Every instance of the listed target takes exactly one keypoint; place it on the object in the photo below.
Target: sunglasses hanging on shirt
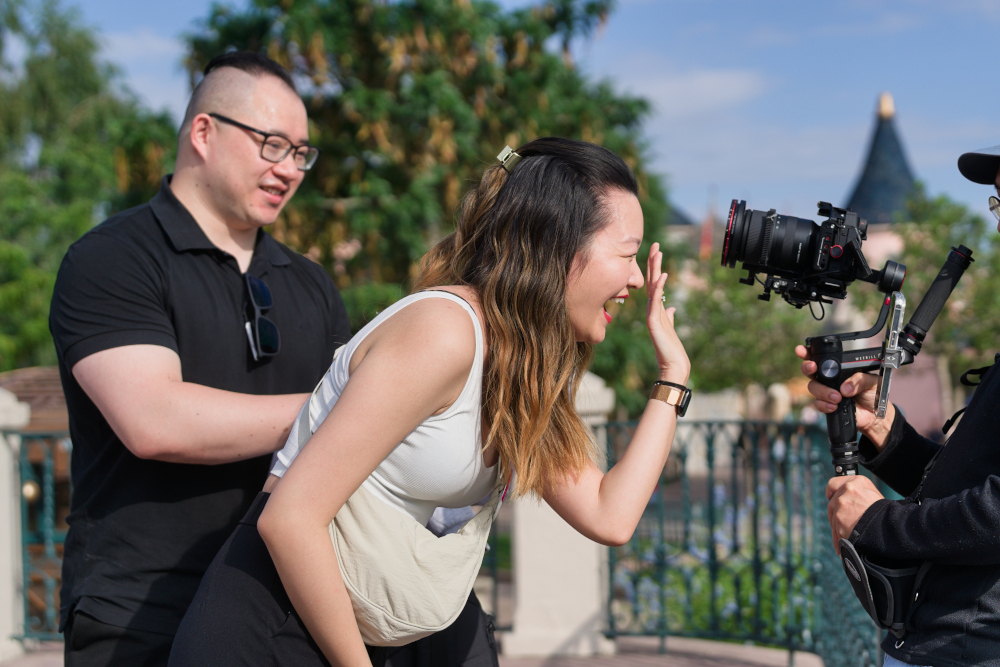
(261, 332)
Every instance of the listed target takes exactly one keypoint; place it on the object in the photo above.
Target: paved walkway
(681, 652)
(50, 655)
(633, 652)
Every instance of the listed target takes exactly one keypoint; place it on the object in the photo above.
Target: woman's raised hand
(670, 354)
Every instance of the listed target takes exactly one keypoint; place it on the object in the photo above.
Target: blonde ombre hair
(514, 244)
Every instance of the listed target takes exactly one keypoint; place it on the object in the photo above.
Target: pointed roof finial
(886, 106)
(886, 180)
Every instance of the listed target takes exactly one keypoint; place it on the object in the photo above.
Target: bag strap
(966, 379)
(305, 416)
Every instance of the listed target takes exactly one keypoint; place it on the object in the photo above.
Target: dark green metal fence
(735, 545)
(43, 465)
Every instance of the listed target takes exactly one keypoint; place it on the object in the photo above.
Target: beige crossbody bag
(405, 582)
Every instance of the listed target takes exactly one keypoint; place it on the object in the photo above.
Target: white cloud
(160, 91)
(769, 35)
(141, 45)
(882, 23)
(987, 8)
(691, 94)
(151, 67)
(934, 142)
(678, 94)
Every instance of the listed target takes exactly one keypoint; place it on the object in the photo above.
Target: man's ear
(202, 128)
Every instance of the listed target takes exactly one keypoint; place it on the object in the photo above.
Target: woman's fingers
(655, 305)
(654, 268)
(661, 282)
(660, 320)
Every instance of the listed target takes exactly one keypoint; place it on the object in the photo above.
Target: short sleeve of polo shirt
(108, 294)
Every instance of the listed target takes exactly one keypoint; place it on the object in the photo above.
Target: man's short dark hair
(251, 63)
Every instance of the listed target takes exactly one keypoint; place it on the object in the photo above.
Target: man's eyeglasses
(995, 205)
(276, 148)
(262, 332)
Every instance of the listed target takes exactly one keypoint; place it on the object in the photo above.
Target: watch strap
(673, 394)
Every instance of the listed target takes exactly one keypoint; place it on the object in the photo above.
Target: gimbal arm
(834, 366)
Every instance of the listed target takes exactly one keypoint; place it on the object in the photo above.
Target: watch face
(685, 400)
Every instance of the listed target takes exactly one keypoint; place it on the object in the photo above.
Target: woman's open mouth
(620, 300)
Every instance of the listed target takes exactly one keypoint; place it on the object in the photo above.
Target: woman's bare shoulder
(436, 328)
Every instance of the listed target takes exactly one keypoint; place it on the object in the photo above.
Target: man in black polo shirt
(188, 339)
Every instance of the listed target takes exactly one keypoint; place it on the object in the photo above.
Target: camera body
(804, 261)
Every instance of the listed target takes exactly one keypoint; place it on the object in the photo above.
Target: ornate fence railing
(43, 466)
(735, 545)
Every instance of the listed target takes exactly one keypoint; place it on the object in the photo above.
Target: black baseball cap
(981, 166)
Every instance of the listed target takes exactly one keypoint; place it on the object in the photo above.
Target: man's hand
(863, 387)
(849, 497)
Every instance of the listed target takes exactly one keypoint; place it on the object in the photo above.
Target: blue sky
(772, 102)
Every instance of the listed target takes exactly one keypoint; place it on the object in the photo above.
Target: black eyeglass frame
(995, 204)
(267, 135)
(254, 287)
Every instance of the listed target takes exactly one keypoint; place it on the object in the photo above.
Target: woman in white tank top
(474, 376)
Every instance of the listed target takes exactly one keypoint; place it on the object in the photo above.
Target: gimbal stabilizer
(901, 344)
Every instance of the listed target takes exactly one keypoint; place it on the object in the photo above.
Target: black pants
(91, 643)
(468, 642)
(241, 615)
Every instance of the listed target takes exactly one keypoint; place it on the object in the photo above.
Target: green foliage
(409, 102)
(965, 332)
(74, 146)
(363, 302)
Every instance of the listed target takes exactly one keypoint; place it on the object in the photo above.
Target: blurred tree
(965, 333)
(733, 338)
(75, 146)
(409, 102)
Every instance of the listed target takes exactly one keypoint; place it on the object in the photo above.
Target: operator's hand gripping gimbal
(902, 343)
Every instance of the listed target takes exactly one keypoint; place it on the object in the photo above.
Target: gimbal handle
(834, 366)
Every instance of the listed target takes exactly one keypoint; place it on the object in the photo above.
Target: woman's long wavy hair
(514, 244)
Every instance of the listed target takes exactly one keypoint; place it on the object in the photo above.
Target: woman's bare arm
(417, 365)
(607, 507)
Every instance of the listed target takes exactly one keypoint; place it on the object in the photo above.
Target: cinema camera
(807, 262)
(804, 261)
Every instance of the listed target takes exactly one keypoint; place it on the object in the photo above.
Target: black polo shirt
(143, 532)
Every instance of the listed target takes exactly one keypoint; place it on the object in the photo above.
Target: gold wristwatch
(673, 394)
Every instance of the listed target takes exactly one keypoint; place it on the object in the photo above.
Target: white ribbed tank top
(439, 464)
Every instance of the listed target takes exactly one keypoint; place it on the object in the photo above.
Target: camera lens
(735, 231)
(766, 240)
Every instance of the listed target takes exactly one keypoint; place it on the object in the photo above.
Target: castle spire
(886, 180)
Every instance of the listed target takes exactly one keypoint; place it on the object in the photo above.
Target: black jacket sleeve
(902, 461)
(963, 529)
(958, 529)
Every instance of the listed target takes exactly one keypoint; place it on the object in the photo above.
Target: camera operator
(951, 515)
